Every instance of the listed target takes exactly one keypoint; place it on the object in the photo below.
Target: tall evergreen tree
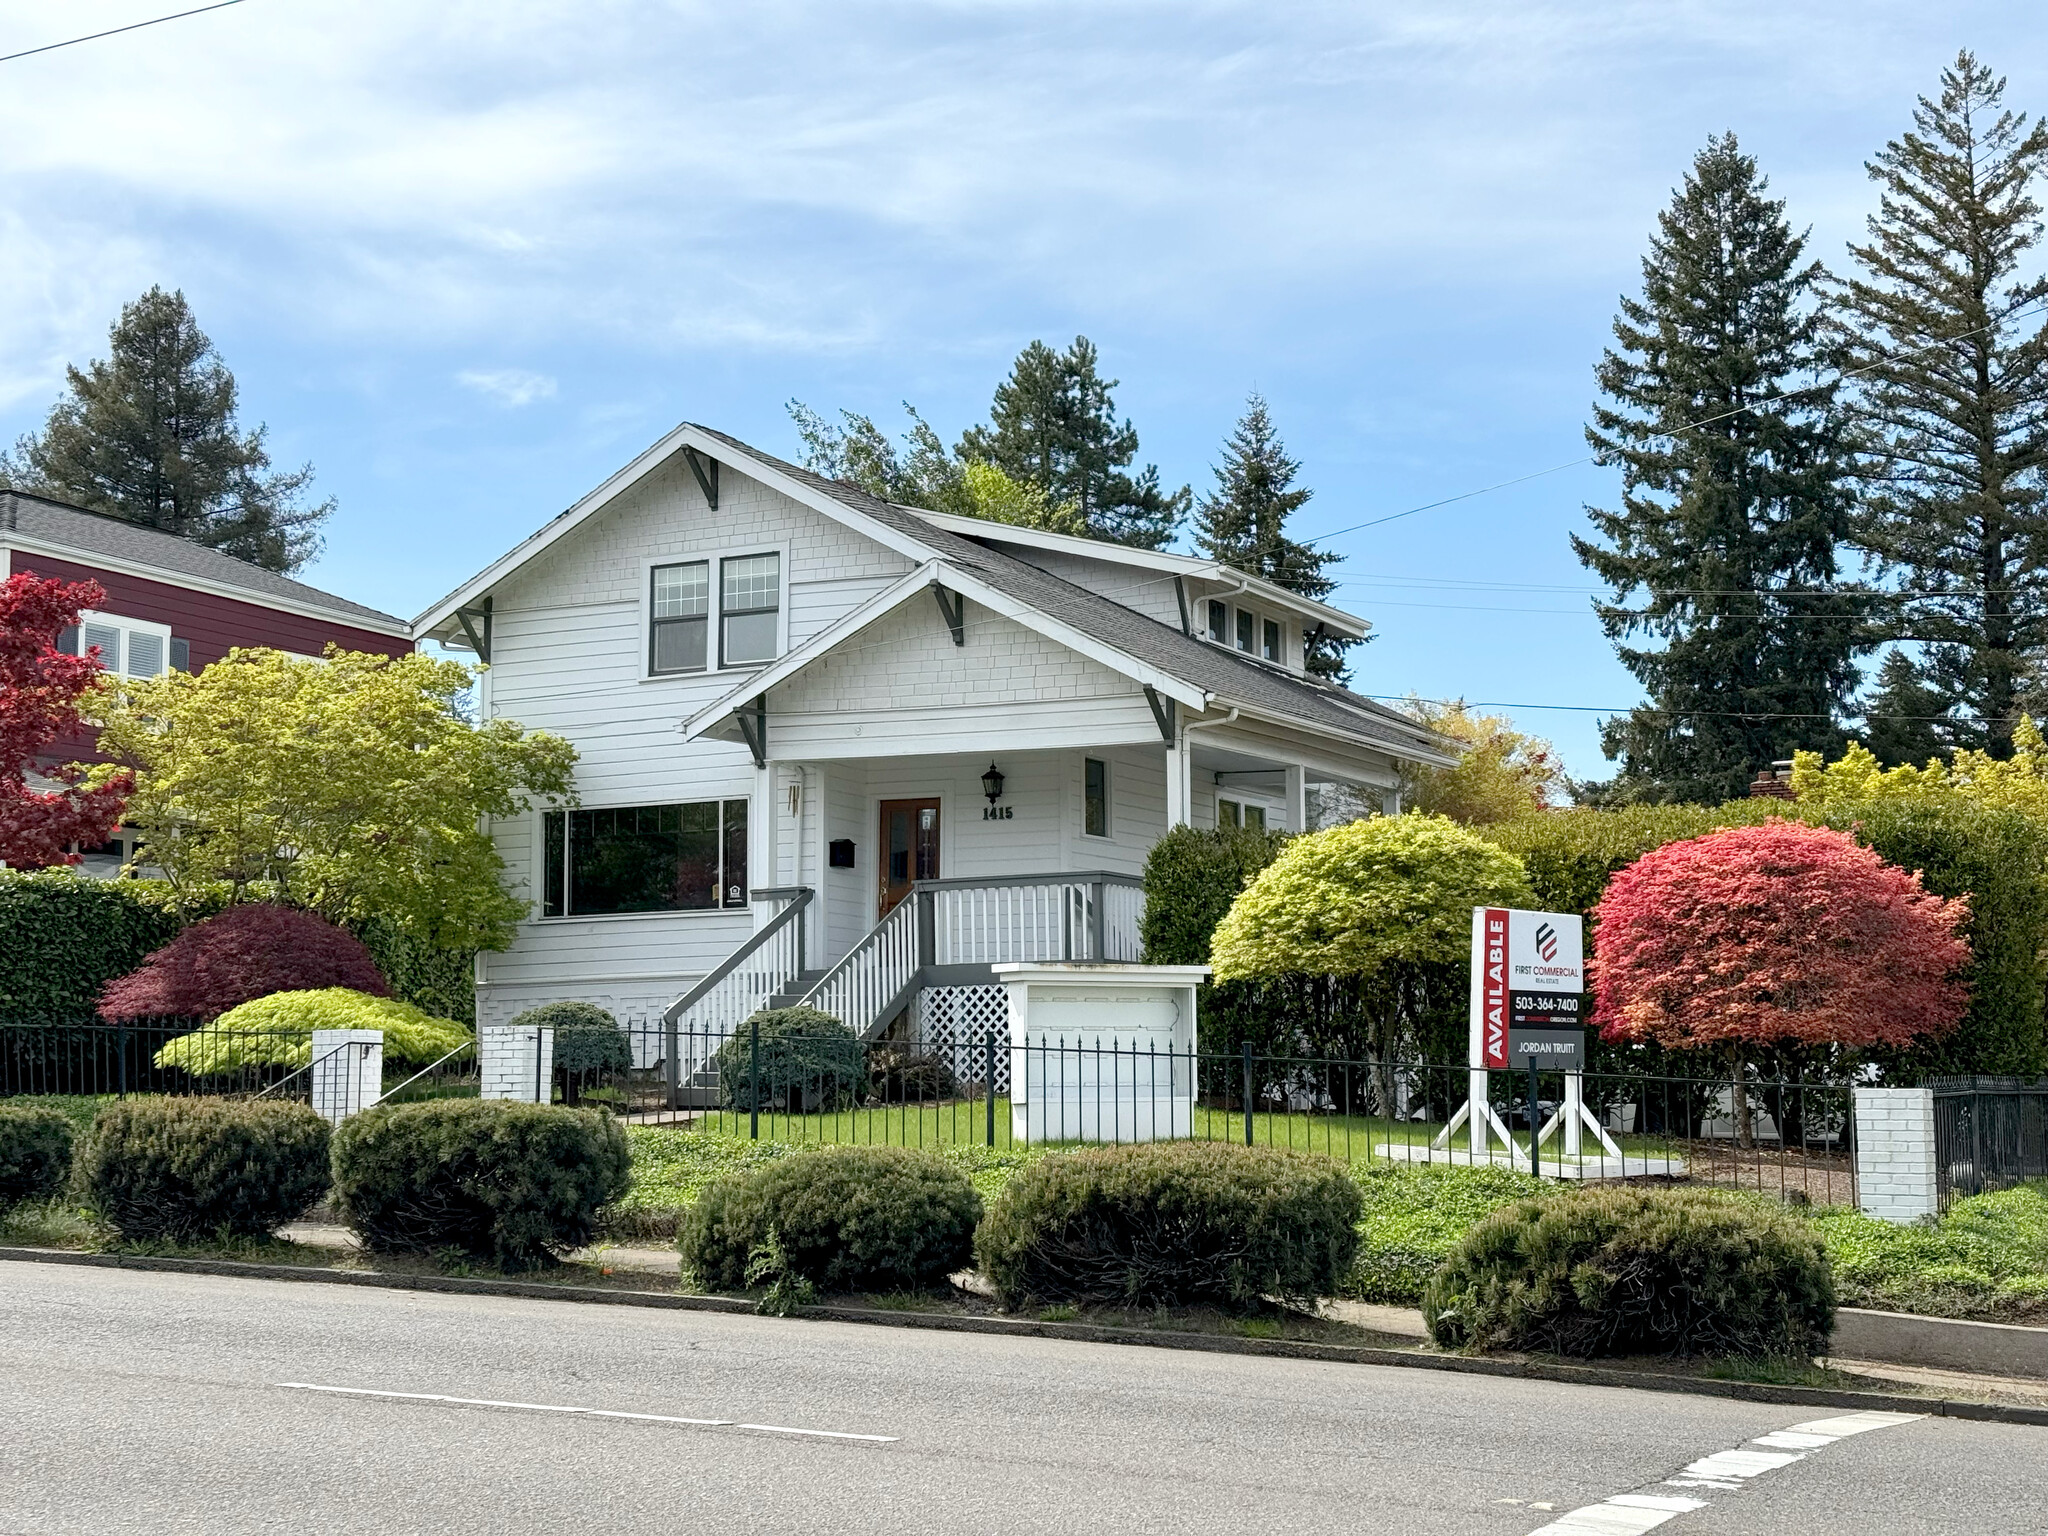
(1054, 424)
(1903, 720)
(1733, 496)
(1243, 523)
(1953, 355)
(149, 434)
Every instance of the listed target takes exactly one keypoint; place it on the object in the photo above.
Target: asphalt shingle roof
(93, 533)
(1230, 676)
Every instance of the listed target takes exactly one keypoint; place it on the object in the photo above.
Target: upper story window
(127, 647)
(680, 615)
(1219, 622)
(1270, 648)
(1247, 624)
(750, 605)
(1095, 797)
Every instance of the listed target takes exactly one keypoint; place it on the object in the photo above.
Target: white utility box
(1101, 1052)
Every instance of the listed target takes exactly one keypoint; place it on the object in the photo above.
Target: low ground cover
(1985, 1258)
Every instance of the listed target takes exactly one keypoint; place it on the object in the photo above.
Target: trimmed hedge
(1172, 1224)
(587, 1039)
(1191, 878)
(808, 1060)
(513, 1184)
(1996, 857)
(35, 1154)
(1626, 1272)
(277, 1031)
(190, 1169)
(843, 1218)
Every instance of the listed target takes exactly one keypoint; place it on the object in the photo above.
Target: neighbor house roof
(1223, 676)
(38, 524)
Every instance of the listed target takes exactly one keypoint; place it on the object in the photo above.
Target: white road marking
(1631, 1514)
(592, 1413)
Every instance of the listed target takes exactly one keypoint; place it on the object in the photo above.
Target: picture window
(644, 858)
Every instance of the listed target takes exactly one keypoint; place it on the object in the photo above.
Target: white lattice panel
(955, 1022)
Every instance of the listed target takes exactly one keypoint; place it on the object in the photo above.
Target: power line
(92, 37)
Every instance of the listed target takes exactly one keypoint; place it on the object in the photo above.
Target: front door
(910, 848)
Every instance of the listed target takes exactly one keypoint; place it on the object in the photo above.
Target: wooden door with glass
(910, 849)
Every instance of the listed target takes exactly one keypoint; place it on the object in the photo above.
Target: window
(134, 647)
(681, 609)
(1255, 817)
(750, 606)
(1229, 814)
(1271, 649)
(1219, 622)
(1247, 623)
(1095, 797)
(181, 655)
(644, 858)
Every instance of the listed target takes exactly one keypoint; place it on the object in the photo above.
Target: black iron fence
(1989, 1133)
(1788, 1137)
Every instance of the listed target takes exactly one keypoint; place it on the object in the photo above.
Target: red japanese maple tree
(1775, 934)
(40, 690)
(244, 953)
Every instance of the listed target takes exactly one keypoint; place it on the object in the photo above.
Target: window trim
(127, 626)
(1108, 832)
(714, 647)
(724, 907)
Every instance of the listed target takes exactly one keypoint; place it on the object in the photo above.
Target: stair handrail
(797, 898)
(903, 914)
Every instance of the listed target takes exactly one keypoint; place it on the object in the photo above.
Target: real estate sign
(1528, 969)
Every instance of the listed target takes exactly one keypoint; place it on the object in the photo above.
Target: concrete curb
(1944, 1343)
(1089, 1333)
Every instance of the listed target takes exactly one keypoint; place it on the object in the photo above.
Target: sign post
(1528, 985)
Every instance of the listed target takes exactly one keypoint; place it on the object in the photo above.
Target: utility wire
(137, 26)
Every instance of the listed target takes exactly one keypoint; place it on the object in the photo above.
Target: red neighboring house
(173, 605)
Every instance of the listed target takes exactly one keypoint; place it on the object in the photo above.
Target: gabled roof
(1224, 677)
(1338, 622)
(59, 529)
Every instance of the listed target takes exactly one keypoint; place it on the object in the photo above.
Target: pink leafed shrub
(243, 954)
(1775, 934)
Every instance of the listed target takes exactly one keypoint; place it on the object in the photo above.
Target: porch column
(763, 839)
(1180, 785)
(1297, 798)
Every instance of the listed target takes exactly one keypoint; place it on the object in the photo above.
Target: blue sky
(468, 258)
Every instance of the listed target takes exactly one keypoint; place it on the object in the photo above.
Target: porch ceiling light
(992, 784)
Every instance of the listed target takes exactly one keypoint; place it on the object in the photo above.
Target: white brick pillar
(517, 1061)
(347, 1072)
(1895, 1153)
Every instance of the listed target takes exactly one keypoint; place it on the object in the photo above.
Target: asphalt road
(145, 1402)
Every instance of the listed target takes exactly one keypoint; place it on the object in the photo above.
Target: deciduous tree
(1780, 934)
(353, 788)
(41, 689)
(1503, 775)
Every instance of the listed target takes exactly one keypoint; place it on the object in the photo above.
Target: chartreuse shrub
(847, 1218)
(35, 1154)
(806, 1060)
(1171, 1224)
(1623, 1272)
(190, 1169)
(513, 1184)
(277, 1031)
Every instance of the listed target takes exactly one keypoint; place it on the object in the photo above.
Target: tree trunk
(1738, 1093)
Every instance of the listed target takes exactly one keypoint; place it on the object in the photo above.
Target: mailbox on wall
(839, 853)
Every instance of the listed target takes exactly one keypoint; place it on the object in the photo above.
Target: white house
(796, 704)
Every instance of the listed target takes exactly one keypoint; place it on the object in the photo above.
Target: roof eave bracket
(954, 606)
(753, 721)
(705, 468)
(1162, 713)
(479, 640)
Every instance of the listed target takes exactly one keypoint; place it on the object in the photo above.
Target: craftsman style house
(797, 705)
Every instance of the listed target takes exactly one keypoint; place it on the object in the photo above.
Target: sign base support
(1478, 1114)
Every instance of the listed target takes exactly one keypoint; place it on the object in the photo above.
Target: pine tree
(1733, 496)
(1243, 524)
(1904, 724)
(149, 434)
(1954, 394)
(1054, 424)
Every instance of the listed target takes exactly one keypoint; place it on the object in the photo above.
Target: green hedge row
(1998, 858)
(63, 937)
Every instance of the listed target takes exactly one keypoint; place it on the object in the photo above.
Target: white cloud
(512, 387)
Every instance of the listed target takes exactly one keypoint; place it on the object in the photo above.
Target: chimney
(1774, 783)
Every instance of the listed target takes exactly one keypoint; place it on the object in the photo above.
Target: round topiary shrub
(190, 1169)
(589, 1045)
(1622, 1272)
(513, 1184)
(277, 1031)
(35, 1154)
(841, 1218)
(809, 1063)
(1172, 1224)
(245, 953)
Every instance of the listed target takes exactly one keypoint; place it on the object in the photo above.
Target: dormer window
(1271, 647)
(1247, 623)
(1219, 622)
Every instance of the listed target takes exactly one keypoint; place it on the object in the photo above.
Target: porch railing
(944, 928)
(740, 985)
